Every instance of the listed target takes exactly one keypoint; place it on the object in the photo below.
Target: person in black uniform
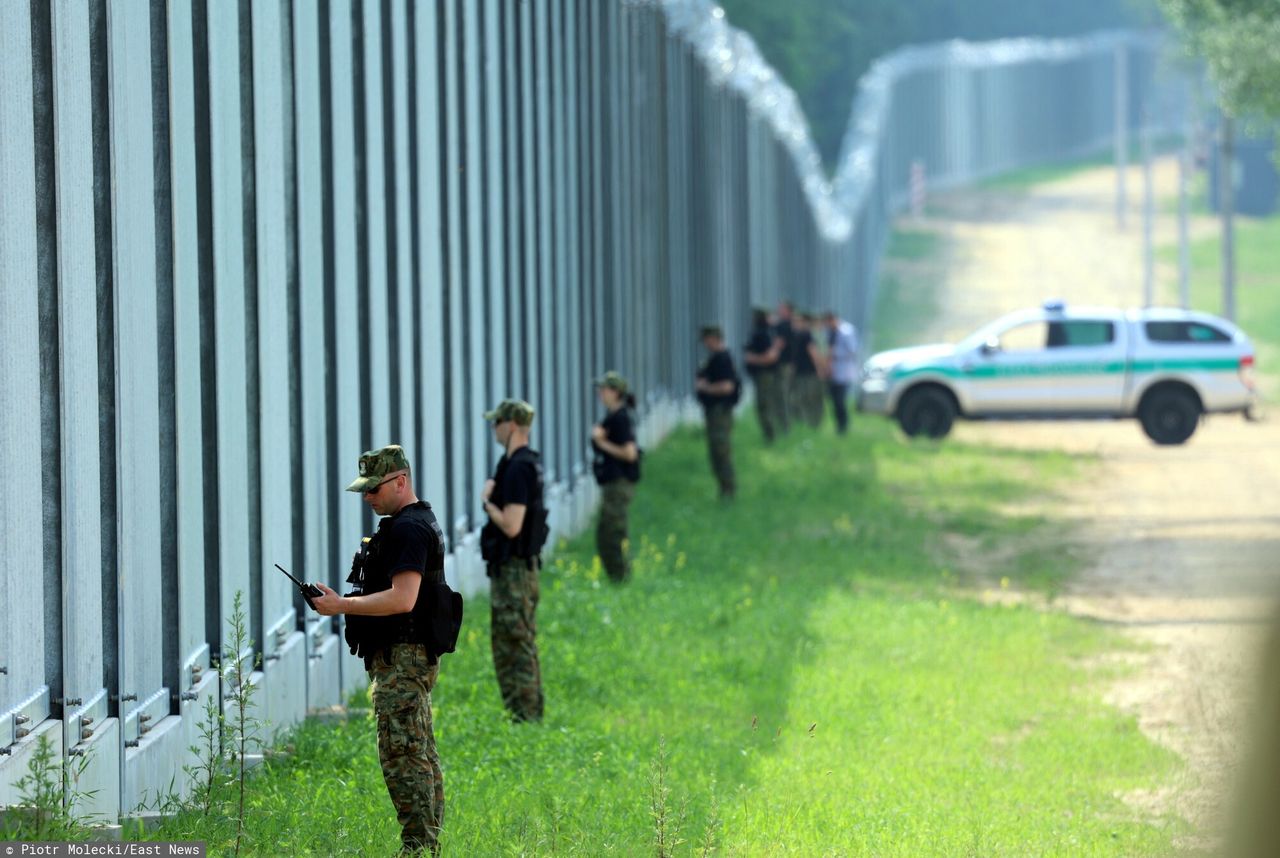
(616, 466)
(392, 577)
(717, 387)
(784, 330)
(762, 356)
(510, 543)
(806, 388)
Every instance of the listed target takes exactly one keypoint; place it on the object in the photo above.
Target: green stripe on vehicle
(1083, 368)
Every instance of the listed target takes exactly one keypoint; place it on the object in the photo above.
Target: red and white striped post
(917, 189)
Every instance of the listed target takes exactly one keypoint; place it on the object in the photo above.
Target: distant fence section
(241, 242)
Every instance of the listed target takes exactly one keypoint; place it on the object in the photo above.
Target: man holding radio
(389, 626)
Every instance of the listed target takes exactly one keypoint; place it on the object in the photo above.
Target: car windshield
(992, 330)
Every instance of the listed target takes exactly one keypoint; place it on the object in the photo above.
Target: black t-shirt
(617, 430)
(411, 540)
(517, 479)
(760, 342)
(783, 329)
(718, 367)
(804, 360)
(408, 541)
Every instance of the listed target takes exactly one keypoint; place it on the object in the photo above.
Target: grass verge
(1257, 298)
(1029, 177)
(789, 675)
(907, 299)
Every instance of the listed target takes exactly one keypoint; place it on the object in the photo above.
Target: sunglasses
(378, 487)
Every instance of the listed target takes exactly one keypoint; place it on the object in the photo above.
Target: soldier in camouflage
(718, 388)
(510, 543)
(806, 386)
(762, 355)
(408, 548)
(616, 465)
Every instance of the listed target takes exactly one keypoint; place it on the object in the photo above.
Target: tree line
(822, 47)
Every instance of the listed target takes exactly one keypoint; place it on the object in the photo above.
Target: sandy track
(1184, 542)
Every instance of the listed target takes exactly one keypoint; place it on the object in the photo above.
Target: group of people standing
(397, 576)
(796, 360)
(397, 579)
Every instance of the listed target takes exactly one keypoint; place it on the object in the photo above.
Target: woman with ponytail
(617, 468)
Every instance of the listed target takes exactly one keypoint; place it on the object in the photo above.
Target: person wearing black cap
(718, 389)
(391, 577)
(511, 542)
(616, 465)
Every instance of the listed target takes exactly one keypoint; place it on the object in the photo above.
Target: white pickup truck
(1166, 367)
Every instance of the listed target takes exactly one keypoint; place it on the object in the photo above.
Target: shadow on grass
(701, 647)
(699, 654)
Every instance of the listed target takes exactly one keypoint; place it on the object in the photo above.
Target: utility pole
(1148, 213)
(1226, 202)
(1121, 100)
(1184, 218)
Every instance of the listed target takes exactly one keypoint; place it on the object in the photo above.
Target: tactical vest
(495, 546)
(366, 636)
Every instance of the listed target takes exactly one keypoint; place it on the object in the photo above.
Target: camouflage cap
(516, 410)
(711, 331)
(613, 381)
(376, 465)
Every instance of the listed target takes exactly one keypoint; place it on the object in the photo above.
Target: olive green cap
(516, 410)
(711, 331)
(613, 381)
(376, 465)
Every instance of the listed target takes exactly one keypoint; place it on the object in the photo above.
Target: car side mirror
(989, 347)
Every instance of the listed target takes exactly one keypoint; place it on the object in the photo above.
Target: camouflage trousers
(611, 530)
(719, 431)
(786, 379)
(400, 682)
(808, 395)
(770, 407)
(513, 599)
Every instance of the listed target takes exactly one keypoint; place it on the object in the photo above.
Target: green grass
(1028, 177)
(1257, 295)
(913, 244)
(905, 305)
(795, 674)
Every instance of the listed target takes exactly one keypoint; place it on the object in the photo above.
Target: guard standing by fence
(616, 465)
(511, 542)
(786, 362)
(842, 366)
(718, 390)
(806, 386)
(762, 356)
(392, 577)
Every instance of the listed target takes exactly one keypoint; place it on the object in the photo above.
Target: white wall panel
(77, 290)
(189, 393)
(22, 636)
(136, 343)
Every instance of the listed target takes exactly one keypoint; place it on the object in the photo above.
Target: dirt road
(1185, 542)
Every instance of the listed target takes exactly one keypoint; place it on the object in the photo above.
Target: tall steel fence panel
(242, 242)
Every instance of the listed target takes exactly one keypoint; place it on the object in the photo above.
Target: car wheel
(928, 412)
(1170, 416)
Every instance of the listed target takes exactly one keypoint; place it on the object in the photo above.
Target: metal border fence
(243, 240)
